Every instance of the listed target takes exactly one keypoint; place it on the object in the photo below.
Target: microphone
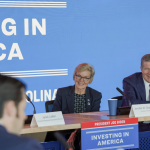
(60, 138)
(29, 100)
(124, 95)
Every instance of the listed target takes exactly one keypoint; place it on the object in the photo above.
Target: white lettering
(41, 95)
(108, 142)
(35, 99)
(14, 47)
(110, 135)
(104, 142)
(26, 26)
(117, 141)
(35, 24)
(12, 28)
(94, 137)
(126, 134)
(2, 46)
(121, 141)
(47, 95)
(103, 136)
(54, 94)
(99, 143)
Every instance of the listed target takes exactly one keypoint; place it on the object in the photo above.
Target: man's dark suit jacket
(134, 88)
(65, 100)
(10, 141)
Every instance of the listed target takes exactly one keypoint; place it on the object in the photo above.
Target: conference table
(72, 121)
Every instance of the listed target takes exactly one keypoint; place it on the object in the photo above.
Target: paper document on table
(95, 113)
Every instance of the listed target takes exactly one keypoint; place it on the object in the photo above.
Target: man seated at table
(12, 116)
(137, 86)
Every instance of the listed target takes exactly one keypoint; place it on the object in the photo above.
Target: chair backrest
(49, 105)
(119, 100)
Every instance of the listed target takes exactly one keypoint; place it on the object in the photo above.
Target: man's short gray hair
(145, 58)
(85, 67)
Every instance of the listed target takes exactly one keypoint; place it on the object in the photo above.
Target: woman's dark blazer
(65, 100)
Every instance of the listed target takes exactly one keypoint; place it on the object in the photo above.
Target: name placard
(140, 110)
(110, 134)
(47, 119)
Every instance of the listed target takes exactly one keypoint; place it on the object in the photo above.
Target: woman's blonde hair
(85, 67)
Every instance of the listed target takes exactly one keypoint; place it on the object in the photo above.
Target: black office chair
(49, 106)
(119, 103)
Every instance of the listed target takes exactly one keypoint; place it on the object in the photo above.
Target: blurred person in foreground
(78, 98)
(12, 116)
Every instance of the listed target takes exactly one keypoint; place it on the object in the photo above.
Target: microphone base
(123, 110)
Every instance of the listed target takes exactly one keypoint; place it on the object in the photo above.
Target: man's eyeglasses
(85, 79)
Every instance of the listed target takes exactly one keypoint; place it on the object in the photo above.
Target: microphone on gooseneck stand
(60, 138)
(120, 91)
(29, 100)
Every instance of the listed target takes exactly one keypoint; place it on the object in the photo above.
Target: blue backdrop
(41, 43)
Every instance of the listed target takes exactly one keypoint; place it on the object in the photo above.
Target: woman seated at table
(78, 98)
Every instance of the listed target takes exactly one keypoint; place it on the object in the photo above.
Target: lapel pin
(88, 102)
